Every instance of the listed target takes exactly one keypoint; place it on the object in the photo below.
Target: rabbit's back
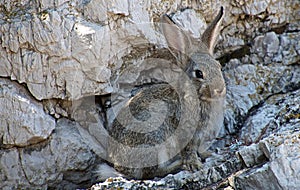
(149, 117)
(146, 122)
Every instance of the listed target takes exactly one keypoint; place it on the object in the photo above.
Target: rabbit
(164, 127)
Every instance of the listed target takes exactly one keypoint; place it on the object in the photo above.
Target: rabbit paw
(192, 163)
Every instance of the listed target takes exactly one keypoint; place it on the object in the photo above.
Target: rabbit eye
(198, 74)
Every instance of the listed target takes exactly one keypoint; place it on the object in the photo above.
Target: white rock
(41, 44)
(282, 171)
(23, 121)
(271, 43)
(70, 49)
(48, 165)
(190, 21)
(270, 116)
(255, 7)
(11, 174)
(251, 155)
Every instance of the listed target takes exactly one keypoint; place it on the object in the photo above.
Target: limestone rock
(11, 169)
(49, 48)
(273, 164)
(183, 179)
(58, 163)
(271, 43)
(251, 80)
(278, 113)
(255, 7)
(23, 121)
(283, 166)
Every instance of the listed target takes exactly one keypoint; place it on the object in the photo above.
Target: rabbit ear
(178, 42)
(209, 37)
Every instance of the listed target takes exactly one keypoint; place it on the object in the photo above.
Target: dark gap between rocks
(236, 54)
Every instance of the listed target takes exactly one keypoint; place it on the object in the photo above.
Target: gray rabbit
(166, 126)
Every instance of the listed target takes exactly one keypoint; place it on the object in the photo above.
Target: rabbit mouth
(212, 99)
(216, 95)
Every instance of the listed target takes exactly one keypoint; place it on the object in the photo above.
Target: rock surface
(62, 162)
(23, 120)
(60, 60)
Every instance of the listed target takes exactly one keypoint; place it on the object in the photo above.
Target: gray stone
(11, 173)
(248, 85)
(251, 155)
(183, 179)
(261, 178)
(43, 59)
(23, 121)
(277, 113)
(189, 20)
(271, 43)
(272, 47)
(255, 7)
(51, 164)
(282, 171)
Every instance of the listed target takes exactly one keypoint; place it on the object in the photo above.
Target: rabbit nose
(219, 92)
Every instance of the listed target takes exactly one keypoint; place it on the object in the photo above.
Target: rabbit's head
(195, 57)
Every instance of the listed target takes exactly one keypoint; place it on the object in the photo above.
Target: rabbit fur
(195, 101)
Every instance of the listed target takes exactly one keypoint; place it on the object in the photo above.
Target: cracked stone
(271, 43)
(255, 7)
(278, 113)
(23, 120)
(48, 165)
(282, 169)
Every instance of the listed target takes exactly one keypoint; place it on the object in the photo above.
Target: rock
(279, 171)
(277, 113)
(282, 169)
(57, 163)
(23, 120)
(190, 21)
(276, 48)
(255, 7)
(251, 155)
(252, 80)
(183, 179)
(74, 45)
(91, 130)
(257, 179)
(250, 85)
(11, 169)
(271, 43)
(49, 61)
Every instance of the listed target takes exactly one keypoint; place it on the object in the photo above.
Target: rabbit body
(189, 110)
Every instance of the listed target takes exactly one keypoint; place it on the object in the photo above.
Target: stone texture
(282, 150)
(11, 169)
(279, 112)
(59, 54)
(23, 121)
(255, 7)
(67, 56)
(183, 179)
(59, 163)
(259, 75)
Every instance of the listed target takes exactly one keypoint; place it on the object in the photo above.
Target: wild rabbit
(164, 127)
